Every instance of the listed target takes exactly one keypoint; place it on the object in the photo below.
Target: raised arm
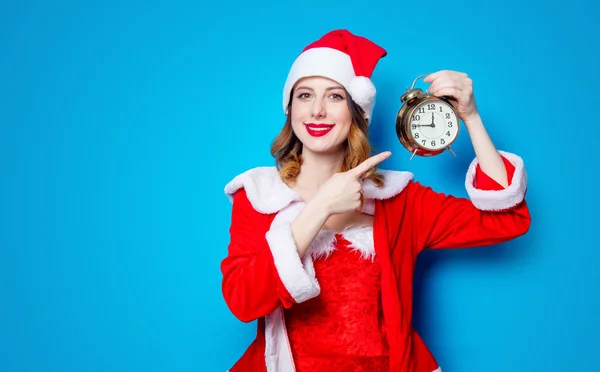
(459, 86)
(496, 183)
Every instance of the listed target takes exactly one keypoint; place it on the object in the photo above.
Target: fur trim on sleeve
(496, 200)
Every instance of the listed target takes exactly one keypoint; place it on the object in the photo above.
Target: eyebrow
(329, 88)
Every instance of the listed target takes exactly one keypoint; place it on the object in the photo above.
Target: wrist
(319, 208)
(473, 120)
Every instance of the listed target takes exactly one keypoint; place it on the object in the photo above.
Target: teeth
(319, 128)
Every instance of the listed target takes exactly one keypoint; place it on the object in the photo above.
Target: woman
(324, 245)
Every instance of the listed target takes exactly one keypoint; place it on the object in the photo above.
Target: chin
(324, 145)
(323, 148)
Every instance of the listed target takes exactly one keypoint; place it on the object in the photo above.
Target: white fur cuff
(496, 200)
(299, 279)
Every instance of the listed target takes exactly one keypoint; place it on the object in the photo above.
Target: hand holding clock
(458, 86)
(450, 98)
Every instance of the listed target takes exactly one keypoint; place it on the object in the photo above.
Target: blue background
(121, 122)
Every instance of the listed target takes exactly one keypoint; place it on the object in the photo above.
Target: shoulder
(264, 189)
(394, 183)
(267, 193)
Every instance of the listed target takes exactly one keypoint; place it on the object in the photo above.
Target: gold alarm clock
(426, 125)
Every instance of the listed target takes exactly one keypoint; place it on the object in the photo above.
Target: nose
(318, 109)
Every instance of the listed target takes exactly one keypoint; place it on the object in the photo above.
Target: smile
(318, 130)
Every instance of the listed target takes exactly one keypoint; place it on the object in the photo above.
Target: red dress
(342, 329)
(312, 313)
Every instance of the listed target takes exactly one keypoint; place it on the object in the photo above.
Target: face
(320, 117)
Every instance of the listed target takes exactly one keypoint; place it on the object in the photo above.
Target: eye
(303, 95)
(337, 96)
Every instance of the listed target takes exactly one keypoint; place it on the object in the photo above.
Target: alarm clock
(426, 125)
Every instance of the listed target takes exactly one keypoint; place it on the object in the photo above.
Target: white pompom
(362, 90)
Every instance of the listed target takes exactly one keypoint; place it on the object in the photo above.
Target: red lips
(318, 130)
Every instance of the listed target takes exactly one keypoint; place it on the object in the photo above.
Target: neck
(316, 169)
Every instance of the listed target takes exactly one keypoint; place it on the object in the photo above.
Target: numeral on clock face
(434, 125)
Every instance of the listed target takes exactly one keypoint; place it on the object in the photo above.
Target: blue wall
(120, 123)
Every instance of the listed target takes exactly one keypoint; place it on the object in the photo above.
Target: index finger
(363, 167)
(431, 77)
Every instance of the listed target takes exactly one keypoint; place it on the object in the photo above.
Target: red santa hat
(341, 56)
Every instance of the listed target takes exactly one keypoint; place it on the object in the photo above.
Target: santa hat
(341, 56)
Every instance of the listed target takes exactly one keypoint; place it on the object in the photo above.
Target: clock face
(434, 125)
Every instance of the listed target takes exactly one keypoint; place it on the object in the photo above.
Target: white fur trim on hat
(362, 90)
(335, 65)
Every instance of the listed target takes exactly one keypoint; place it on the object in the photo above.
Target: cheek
(342, 116)
(299, 111)
(345, 130)
(297, 120)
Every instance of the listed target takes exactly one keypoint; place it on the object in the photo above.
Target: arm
(490, 161)
(341, 193)
(459, 86)
(262, 270)
(496, 184)
(493, 215)
(307, 225)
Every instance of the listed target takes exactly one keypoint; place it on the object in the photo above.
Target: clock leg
(452, 152)
(413, 154)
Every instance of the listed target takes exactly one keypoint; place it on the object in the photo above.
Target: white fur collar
(269, 194)
(360, 238)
